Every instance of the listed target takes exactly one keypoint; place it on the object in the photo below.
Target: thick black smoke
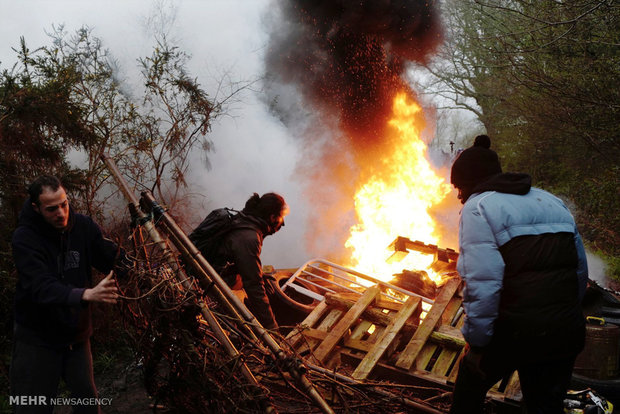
(346, 57)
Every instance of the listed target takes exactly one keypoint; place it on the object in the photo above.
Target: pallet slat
(310, 320)
(345, 323)
(369, 329)
(377, 351)
(427, 326)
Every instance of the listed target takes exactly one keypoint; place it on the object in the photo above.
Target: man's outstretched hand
(105, 291)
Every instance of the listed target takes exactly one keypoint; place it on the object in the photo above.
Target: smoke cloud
(333, 68)
(346, 58)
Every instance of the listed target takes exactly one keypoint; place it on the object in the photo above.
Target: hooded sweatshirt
(54, 269)
(240, 250)
(525, 270)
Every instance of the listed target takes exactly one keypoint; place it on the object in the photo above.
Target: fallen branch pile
(203, 351)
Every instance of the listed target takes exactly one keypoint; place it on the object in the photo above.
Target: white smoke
(597, 269)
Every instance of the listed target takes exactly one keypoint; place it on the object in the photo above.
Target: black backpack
(207, 237)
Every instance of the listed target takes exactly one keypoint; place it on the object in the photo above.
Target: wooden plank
(453, 374)
(376, 334)
(348, 342)
(386, 372)
(345, 323)
(389, 304)
(356, 344)
(425, 355)
(451, 310)
(295, 335)
(444, 361)
(330, 320)
(348, 299)
(451, 341)
(427, 326)
(333, 315)
(448, 336)
(310, 320)
(513, 389)
(398, 321)
(374, 314)
(361, 329)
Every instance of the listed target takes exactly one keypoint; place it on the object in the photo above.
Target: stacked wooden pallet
(383, 339)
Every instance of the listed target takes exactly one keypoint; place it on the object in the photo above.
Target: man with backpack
(232, 244)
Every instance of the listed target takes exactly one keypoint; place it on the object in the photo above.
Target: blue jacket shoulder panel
(512, 215)
(488, 221)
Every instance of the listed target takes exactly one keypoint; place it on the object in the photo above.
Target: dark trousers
(543, 383)
(36, 372)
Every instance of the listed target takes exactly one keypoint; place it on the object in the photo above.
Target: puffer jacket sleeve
(481, 266)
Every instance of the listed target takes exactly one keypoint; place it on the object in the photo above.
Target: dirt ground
(126, 389)
(124, 386)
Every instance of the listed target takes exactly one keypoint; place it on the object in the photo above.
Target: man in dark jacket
(237, 258)
(525, 273)
(54, 249)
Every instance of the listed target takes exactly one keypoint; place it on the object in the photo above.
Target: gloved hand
(270, 284)
(473, 360)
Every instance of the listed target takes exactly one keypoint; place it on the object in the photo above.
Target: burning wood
(444, 259)
(419, 281)
(416, 281)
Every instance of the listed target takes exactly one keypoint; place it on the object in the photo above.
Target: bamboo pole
(290, 364)
(209, 285)
(170, 260)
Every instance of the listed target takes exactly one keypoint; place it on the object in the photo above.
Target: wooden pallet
(400, 338)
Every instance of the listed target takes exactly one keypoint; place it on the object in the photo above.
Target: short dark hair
(36, 187)
(265, 206)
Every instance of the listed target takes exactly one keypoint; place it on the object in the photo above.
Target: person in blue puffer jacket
(525, 273)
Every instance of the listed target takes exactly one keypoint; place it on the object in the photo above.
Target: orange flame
(396, 200)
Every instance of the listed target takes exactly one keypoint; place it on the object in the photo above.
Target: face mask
(275, 224)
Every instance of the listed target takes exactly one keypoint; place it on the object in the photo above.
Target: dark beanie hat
(475, 164)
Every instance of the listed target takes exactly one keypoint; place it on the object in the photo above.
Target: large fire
(396, 198)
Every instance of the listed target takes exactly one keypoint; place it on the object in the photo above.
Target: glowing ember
(396, 200)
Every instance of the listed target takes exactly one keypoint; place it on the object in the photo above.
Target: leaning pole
(289, 363)
(171, 261)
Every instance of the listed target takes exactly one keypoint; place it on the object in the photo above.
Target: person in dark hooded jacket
(525, 273)
(54, 249)
(238, 257)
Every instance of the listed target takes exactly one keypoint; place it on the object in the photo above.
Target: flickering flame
(396, 200)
